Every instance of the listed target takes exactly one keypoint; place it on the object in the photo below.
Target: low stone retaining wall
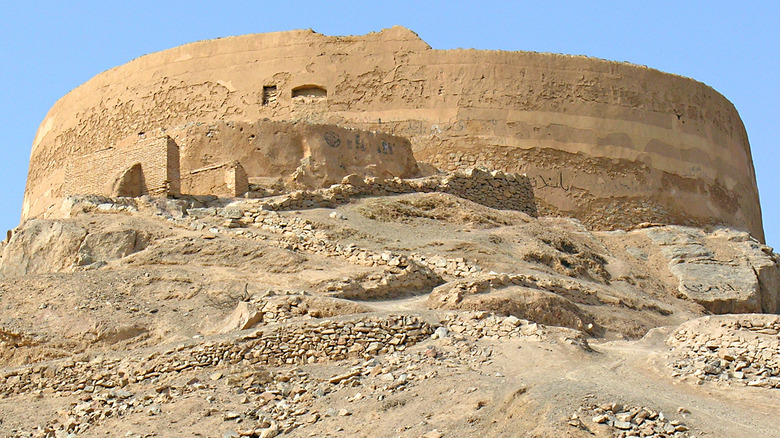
(293, 343)
(494, 189)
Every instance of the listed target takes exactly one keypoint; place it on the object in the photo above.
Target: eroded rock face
(726, 270)
(43, 245)
(108, 245)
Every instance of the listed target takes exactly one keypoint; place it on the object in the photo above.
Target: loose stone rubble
(745, 351)
(284, 332)
(478, 325)
(279, 401)
(628, 421)
(413, 274)
(99, 381)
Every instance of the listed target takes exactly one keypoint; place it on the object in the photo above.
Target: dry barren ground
(413, 315)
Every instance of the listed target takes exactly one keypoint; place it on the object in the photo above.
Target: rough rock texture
(613, 144)
(726, 271)
(43, 245)
(522, 302)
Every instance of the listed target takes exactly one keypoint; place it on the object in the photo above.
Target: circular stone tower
(612, 144)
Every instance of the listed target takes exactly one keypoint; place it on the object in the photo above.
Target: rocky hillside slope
(380, 314)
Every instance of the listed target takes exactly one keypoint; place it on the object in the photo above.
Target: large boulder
(51, 245)
(107, 245)
(42, 246)
(725, 270)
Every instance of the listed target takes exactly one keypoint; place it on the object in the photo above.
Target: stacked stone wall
(494, 189)
(94, 173)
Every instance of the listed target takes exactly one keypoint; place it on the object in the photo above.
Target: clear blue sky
(50, 47)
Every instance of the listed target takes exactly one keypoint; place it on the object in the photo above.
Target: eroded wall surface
(314, 155)
(224, 180)
(613, 144)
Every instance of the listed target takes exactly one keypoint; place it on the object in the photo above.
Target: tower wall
(613, 144)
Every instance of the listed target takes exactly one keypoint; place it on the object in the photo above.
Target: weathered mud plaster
(610, 143)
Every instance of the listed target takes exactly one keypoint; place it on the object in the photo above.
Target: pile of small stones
(744, 351)
(629, 421)
(457, 267)
(12, 338)
(479, 324)
(281, 306)
(391, 282)
(276, 403)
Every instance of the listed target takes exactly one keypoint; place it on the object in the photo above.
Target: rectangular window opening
(269, 94)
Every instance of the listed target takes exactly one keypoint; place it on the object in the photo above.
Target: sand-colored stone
(613, 144)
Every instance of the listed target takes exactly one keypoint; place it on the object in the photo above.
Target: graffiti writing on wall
(419, 127)
(555, 182)
(333, 140)
(701, 288)
(386, 148)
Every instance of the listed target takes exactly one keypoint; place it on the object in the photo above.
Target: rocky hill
(298, 235)
(402, 314)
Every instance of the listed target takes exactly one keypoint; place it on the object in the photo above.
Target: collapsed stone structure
(612, 144)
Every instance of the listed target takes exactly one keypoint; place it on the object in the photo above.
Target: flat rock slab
(726, 271)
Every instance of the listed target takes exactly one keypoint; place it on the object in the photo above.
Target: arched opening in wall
(311, 91)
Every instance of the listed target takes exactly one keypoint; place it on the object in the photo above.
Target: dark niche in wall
(309, 90)
(269, 94)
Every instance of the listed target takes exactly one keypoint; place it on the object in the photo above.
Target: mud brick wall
(611, 144)
(226, 179)
(94, 173)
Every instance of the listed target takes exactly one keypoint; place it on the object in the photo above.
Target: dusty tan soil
(548, 328)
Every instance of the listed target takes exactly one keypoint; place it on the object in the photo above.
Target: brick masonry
(94, 173)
